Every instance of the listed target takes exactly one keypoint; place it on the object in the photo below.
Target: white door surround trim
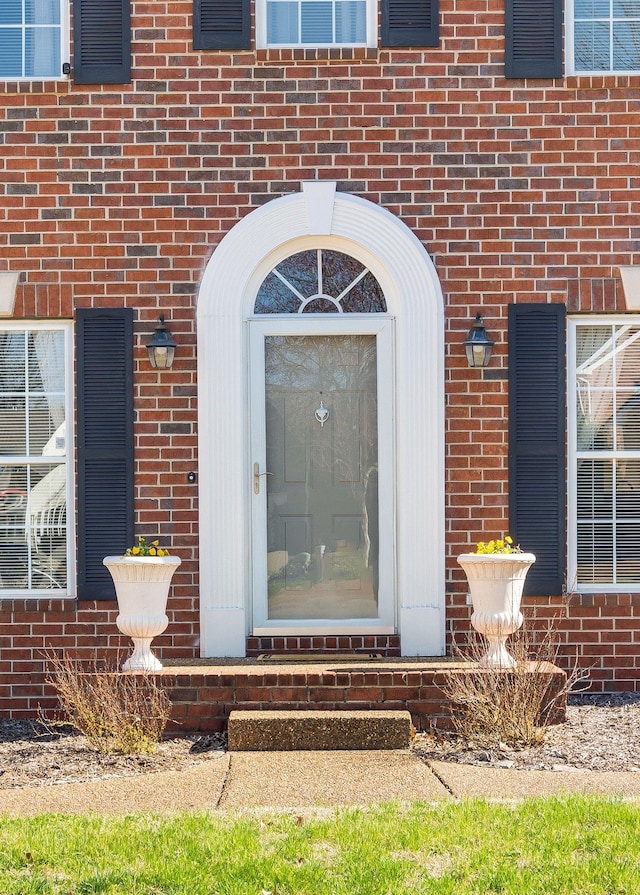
(319, 216)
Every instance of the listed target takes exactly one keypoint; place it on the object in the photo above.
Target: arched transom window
(320, 281)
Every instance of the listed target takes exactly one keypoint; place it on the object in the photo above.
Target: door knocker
(322, 413)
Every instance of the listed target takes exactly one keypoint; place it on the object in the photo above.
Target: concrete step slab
(315, 730)
(312, 780)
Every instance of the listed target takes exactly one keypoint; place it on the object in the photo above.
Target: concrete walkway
(240, 781)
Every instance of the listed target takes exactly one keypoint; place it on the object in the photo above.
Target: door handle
(256, 477)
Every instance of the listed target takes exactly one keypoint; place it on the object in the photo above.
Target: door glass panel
(322, 491)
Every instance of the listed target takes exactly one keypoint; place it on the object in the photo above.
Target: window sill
(311, 54)
(33, 85)
(601, 81)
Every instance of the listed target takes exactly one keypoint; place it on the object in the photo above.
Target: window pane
(282, 23)
(317, 23)
(47, 526)
(42, 52)
(591, 46)
(628, 489)
(321, 306)
(595, 489)
(626, 45)
(627, 567)
(595, 554)
(595, 418)
(46, 436)
(12, 362)
(13, 540)
(351, 22)
(275, 297)
(10, 52)
(46, 361)
(626, 9)
(42, 12)
(590, 9)
(339, 272)
(365, 297)
(11, 12)
(13, 426)
(301, 270)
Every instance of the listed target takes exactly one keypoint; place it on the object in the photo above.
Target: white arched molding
(320, 217)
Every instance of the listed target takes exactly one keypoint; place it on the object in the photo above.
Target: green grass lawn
(539, 847)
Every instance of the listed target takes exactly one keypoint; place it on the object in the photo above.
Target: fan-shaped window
(320, 281)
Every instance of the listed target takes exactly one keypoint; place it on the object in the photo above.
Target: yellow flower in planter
(142, 548)
(501, 545)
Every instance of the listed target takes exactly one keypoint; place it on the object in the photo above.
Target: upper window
(316, 23)
(606, 454)
(35, 457)
(606, 35)
(33, 36)
(320, 281)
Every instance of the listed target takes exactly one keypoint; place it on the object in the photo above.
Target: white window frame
(573, 585)
(261, 31)
(65, 49)
(570, 49)
(70, 591)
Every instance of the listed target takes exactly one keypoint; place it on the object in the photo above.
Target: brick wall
(519, 190)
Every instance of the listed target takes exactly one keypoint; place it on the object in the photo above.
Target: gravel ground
(30, 755)
(602, 733)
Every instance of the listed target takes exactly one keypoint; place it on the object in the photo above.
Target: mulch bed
(602, 733)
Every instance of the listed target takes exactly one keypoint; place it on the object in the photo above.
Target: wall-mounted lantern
(161, 347)
(478, 345)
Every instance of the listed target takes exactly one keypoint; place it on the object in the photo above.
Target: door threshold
(306, 658)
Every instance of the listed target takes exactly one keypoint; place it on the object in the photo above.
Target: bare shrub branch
(123, 713)
(491, 705)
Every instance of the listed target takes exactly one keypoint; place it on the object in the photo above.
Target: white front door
(322, 475)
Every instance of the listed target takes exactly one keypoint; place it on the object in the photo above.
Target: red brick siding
(519, 190)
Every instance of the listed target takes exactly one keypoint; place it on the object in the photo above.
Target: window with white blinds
(316, 23)
(606, 35)
(33, 38)
(35, 458)
(605, 435)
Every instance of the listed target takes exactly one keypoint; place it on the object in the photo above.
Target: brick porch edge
(203, 695)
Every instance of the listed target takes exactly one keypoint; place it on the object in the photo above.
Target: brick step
(285, 731)
(204, 692)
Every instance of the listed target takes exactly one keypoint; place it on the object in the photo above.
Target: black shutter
(533, 38)
(537, 432)
(104, 342)
(222, 24)
(101, 41)
(410, 23)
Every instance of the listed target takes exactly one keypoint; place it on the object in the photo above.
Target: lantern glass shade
(478, 345)
(161, 347)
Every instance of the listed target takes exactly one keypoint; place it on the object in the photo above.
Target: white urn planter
(142, 587)
(496, 581)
